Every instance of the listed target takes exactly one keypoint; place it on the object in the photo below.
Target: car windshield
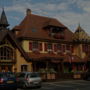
(1, 75)
(7, 74)
(10, 74)
(34, 75)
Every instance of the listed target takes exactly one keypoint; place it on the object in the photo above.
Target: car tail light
(1, 80)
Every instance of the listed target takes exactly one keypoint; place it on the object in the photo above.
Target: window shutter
(72, 49)
(63, 48)
(40, 46)
(30, 45)
(67, 47)
(86, 46)
(55, 47)
(45, 47)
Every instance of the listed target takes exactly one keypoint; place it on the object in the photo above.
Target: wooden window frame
(6, 53)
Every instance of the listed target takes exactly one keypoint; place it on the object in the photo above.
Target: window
(59, 47)
(23, 67)
(34, 30)
(6, 53)
(35, 46)
(49, 46)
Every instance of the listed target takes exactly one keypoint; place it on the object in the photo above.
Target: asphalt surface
(64, 85)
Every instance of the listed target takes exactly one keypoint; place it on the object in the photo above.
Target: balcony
(50, 51)
(7, 61)
(59, 36)
(35, 50)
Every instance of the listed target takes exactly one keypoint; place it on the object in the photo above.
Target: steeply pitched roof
(8, 34)
(81, 35)
(33, 26)
(3, 20)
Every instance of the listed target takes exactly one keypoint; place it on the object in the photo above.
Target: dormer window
(34, 30)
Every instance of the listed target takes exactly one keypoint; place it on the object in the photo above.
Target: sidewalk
(64, 80)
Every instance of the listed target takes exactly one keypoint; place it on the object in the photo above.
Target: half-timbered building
(12, 55)
(51, 45)
(42, 44)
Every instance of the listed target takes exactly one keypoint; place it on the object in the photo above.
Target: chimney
(28, 12)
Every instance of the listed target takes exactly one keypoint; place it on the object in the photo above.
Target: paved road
(64, 85)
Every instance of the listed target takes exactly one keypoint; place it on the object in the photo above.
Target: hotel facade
(43, 44)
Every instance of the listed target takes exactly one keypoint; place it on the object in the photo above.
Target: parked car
(87, 76)
(8, 80)
(28, 79)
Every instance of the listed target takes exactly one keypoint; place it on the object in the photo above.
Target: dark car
(8, 80)
(29, 79)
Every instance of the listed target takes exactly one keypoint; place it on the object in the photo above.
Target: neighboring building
(51, 45)
(42, 43)
(82, 47)
(12, 56)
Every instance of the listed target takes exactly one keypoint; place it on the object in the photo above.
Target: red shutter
(63, 48)
(55, 47)
(45, 46)
(83, 48)
(72, 49)
(40, 46)
(30, 45)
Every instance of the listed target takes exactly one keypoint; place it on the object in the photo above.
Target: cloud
(87, 9)
(15, 18)
(69, 12)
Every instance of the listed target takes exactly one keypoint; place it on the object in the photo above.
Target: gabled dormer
(54, 30)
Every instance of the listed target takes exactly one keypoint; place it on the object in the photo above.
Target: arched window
(6, 53)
